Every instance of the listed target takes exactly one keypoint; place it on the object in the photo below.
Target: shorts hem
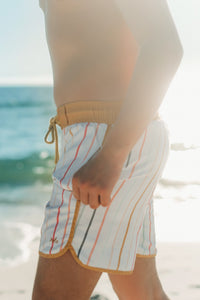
(69, 246)
(81, 263)
(146, 256)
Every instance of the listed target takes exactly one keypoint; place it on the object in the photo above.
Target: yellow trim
(136, 205)
(145, 256)
(69, 246)
(80, 262)
(71, 235)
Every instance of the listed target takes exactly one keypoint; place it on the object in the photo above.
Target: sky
(24, 56)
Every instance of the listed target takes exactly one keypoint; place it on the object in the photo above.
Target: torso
(92, 50)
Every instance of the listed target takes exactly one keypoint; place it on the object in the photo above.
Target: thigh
(139, 284)
(63, 278)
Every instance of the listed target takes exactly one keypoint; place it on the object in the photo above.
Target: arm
(159, 56)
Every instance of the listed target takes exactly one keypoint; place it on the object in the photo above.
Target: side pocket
(128, 159)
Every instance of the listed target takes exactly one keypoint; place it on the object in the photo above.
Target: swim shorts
(106, 239)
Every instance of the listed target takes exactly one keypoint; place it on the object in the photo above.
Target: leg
(63, 278)
(142, 284)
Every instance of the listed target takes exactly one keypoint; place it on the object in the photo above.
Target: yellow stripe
(134, 210)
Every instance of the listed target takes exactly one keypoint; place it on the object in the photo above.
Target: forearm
(154, 70)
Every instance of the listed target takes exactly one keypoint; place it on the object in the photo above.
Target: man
(112, 64)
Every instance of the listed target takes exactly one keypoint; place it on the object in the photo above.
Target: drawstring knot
(54, 136)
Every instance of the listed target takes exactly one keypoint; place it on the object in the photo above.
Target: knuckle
(84, 201)
(83, 184)
(75, 195)
(105, 202)
(74, 180)
(93, 189)
(93, 205)
(104, 188)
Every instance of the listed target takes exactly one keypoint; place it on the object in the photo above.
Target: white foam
(29, 233)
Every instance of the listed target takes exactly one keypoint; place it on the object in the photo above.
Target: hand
(93, 183)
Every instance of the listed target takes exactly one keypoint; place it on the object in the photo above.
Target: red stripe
(103, 222)
(137, 236)
(97, 128)
(150, 244)
(77, 150)
(135, 225)
(153, 176)
(136, 244)
(67, 220)
(114, 197)
(145, 134)
(57, 222)
(128, 256)
(49, 215)
(88, 151)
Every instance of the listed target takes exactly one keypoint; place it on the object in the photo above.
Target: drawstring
(54, 134)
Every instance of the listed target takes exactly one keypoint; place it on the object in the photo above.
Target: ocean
(26, 163)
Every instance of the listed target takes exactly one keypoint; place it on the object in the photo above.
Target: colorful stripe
(77, 150)
(126, 233)
(138, 218)
(78, 228)
(114, 197)
(148, 185)
(122, 219)
(49, 214)
(150, 243)
(53, 238)
(70, 197)
(95, 134)
(86, 233)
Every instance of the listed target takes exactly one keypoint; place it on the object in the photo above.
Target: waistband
(83, 111)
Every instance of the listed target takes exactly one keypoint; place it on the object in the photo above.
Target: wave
(177, 183)
(182, 147)
(17, 238)
(37, 167)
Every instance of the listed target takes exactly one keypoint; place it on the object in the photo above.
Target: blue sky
(24, 55)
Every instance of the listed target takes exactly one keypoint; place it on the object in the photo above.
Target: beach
(177, 264)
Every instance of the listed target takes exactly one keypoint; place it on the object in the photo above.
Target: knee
(118, 291)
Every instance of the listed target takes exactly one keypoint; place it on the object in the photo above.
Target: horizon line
(34, 81)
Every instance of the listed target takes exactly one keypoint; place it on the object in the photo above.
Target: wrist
(114, 153)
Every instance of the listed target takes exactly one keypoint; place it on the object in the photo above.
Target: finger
(105, 199)
(93, 200)
(84, 197)
(75, 190)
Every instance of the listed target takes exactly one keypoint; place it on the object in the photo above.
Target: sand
(178, 266)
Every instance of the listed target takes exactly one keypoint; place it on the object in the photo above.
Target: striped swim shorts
(108, 238)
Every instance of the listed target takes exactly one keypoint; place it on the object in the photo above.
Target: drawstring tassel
(54, 136)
